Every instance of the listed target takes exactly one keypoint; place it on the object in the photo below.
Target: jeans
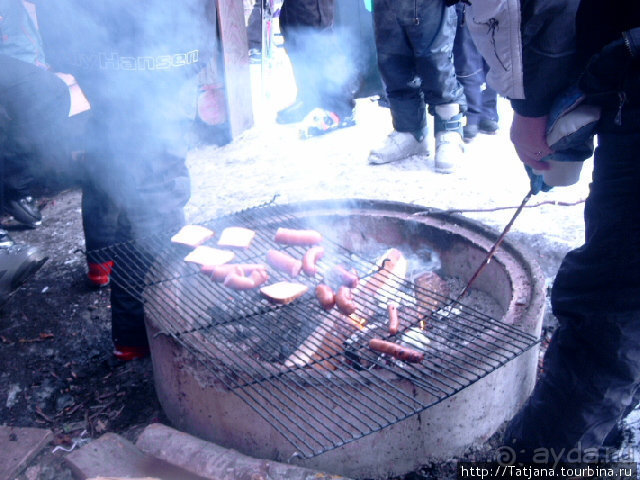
(127, 213)
(414, 40)
(471, 70)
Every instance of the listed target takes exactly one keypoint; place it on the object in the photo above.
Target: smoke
(329, 60)
(137, 63)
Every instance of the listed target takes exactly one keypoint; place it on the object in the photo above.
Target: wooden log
(214, 462)
(430, 291)
(326, 340)
(112, 456)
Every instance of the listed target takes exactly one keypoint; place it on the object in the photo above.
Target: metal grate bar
(311, 374)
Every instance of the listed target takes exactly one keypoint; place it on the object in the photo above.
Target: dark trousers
(34, 124)
(591, 373)
(254, 26)
(414, 40)
(471, 70)
(324, 71)
(135, 188)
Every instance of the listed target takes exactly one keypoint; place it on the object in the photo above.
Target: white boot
(398, 146)
(449, 143)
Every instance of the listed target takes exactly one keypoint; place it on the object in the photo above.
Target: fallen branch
(556, 203)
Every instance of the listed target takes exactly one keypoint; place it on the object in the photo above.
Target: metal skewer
(495, 246)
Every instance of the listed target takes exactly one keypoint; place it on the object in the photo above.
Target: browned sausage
(290, 236)
(397, 351)
(392, 309)
(219, 272)
(310, 259)
(238, 281)
(326, 296)
(284, 262)
(345, 277)
(259, 276)
(344, 301)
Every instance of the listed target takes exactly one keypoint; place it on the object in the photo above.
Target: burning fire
(357, 321)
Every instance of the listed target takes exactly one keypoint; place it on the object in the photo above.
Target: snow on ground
(269, 159)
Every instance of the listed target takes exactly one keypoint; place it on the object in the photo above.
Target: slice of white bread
(192, 235)
(209, 256)
(282, 293)
(236, 237)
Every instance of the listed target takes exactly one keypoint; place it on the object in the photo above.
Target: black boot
(5, 239)
(24, 210)
(17, 264)
(294, 113)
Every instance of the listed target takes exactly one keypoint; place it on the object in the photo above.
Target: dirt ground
(55, 350)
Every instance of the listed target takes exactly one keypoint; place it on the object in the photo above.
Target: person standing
(137, 63)
(471, 70)
(414, 40)
(591, 376)
(37, 104)
(325, 77)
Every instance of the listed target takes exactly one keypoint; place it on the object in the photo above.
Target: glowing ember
(416, 338)
(357, 320)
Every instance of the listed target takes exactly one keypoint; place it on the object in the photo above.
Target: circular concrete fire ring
(196, 400)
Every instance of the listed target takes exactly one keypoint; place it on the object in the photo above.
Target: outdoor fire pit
(296, 383)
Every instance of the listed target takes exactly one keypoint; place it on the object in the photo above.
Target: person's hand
(536, 181)
(529, 138)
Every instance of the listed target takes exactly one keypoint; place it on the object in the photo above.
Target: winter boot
(99, 273)
(17, 264)
(126, 354)
(488, 126)
(24, 210)
(448, 132)
(5, 238)
(469, 132)
(398, 146)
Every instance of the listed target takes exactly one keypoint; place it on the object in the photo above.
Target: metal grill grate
(344, 391)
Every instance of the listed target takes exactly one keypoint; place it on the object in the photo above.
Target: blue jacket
(19, 36)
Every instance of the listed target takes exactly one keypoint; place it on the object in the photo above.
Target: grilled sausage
(284, 262)
(236, 279)
(394, 323)
(219, 272)
(289, 236)
(345, 277)
(310, 259)
(397, 351)
(344, 301)
(326, 296)
(259, 276)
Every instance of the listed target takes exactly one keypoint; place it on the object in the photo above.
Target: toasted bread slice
(238, 237)
(209, 257)
(282, 293)
(192, 235)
